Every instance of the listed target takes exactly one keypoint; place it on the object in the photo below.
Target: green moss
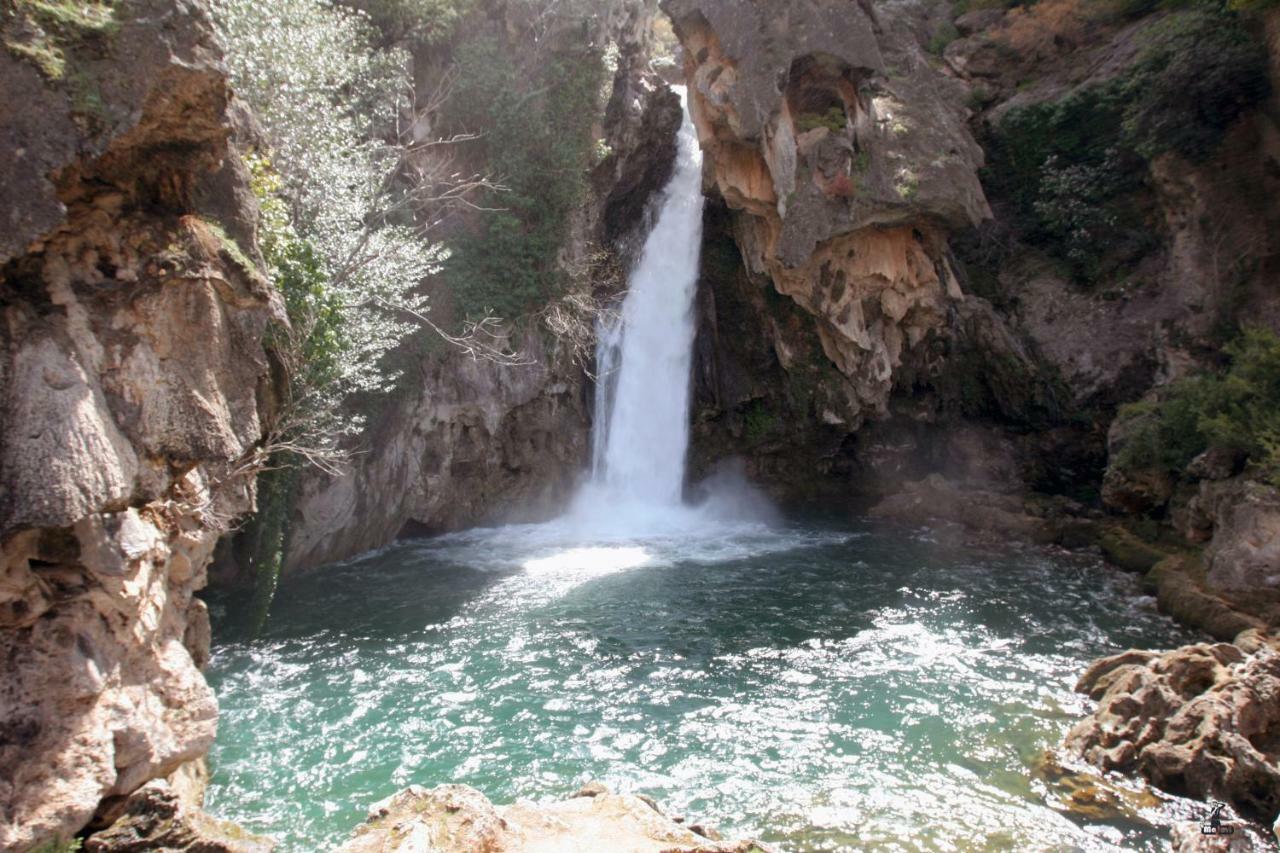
(758, 422)
(1128, 551)
(48, 33)
(834, 120)
(230, 246)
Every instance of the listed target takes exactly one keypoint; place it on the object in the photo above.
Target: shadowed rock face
(847, 160)
(131, 369)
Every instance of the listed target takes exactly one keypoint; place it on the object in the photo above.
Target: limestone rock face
(131, 368)
(481, 442)
(459, 818)
(847, 158)
(1198, 721)
(1244, 554)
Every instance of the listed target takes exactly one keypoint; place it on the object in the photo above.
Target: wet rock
(1182, 593)
(459, 818)
(1128, 551)
(1199, 721)
(1239, 837)
(156, 818)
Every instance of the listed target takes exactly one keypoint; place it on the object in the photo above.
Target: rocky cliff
(869, 319)
(941, 257)
(132, 380)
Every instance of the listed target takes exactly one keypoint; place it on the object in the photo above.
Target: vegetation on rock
(44, 32)
(1072, 165)
(534, 124)
(1236, 409)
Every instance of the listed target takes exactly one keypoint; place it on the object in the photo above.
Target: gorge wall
(133, 387)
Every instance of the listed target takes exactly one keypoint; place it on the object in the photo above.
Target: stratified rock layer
(459, 819)
(1200, 721)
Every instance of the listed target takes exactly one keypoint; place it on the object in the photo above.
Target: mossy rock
(1128, 551)
(1178, 583)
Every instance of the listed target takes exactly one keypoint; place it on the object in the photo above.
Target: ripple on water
(824, 689)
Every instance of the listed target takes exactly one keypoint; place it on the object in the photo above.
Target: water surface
(822, 689)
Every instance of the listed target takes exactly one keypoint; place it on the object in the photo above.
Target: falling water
(642, 413)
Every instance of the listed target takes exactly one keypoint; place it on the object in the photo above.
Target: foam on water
(826, 689)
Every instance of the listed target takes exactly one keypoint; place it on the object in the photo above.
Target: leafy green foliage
(1237, 409)
(1198, 73)
(423, 21)
(1072, 166)
(536, 133)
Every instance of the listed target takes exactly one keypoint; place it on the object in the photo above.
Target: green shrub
(946, 34)
(313, 351)
(1237, 409)
(1071, 166)
(1198, 73)
(535, 127)
(833, 120)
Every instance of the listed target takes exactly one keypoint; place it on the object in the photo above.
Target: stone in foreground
(1199, 721)
(156, 818)
(458, 818)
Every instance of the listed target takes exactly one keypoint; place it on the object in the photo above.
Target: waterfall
(645, 356)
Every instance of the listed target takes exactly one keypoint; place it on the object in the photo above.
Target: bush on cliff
(1072, 166)
(534, 128)
(1237, 409)
(1197, 74)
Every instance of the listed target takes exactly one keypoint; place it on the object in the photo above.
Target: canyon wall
(133, 385)
(876, 309)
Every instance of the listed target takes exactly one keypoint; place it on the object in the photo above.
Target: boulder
(156, 817)
(459, 819)
(1199, 721)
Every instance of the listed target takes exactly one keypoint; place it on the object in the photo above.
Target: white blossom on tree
(329, 103)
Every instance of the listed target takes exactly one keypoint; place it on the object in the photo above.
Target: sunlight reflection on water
(825, 689)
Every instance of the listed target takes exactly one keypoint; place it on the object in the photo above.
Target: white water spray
(644, 358)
